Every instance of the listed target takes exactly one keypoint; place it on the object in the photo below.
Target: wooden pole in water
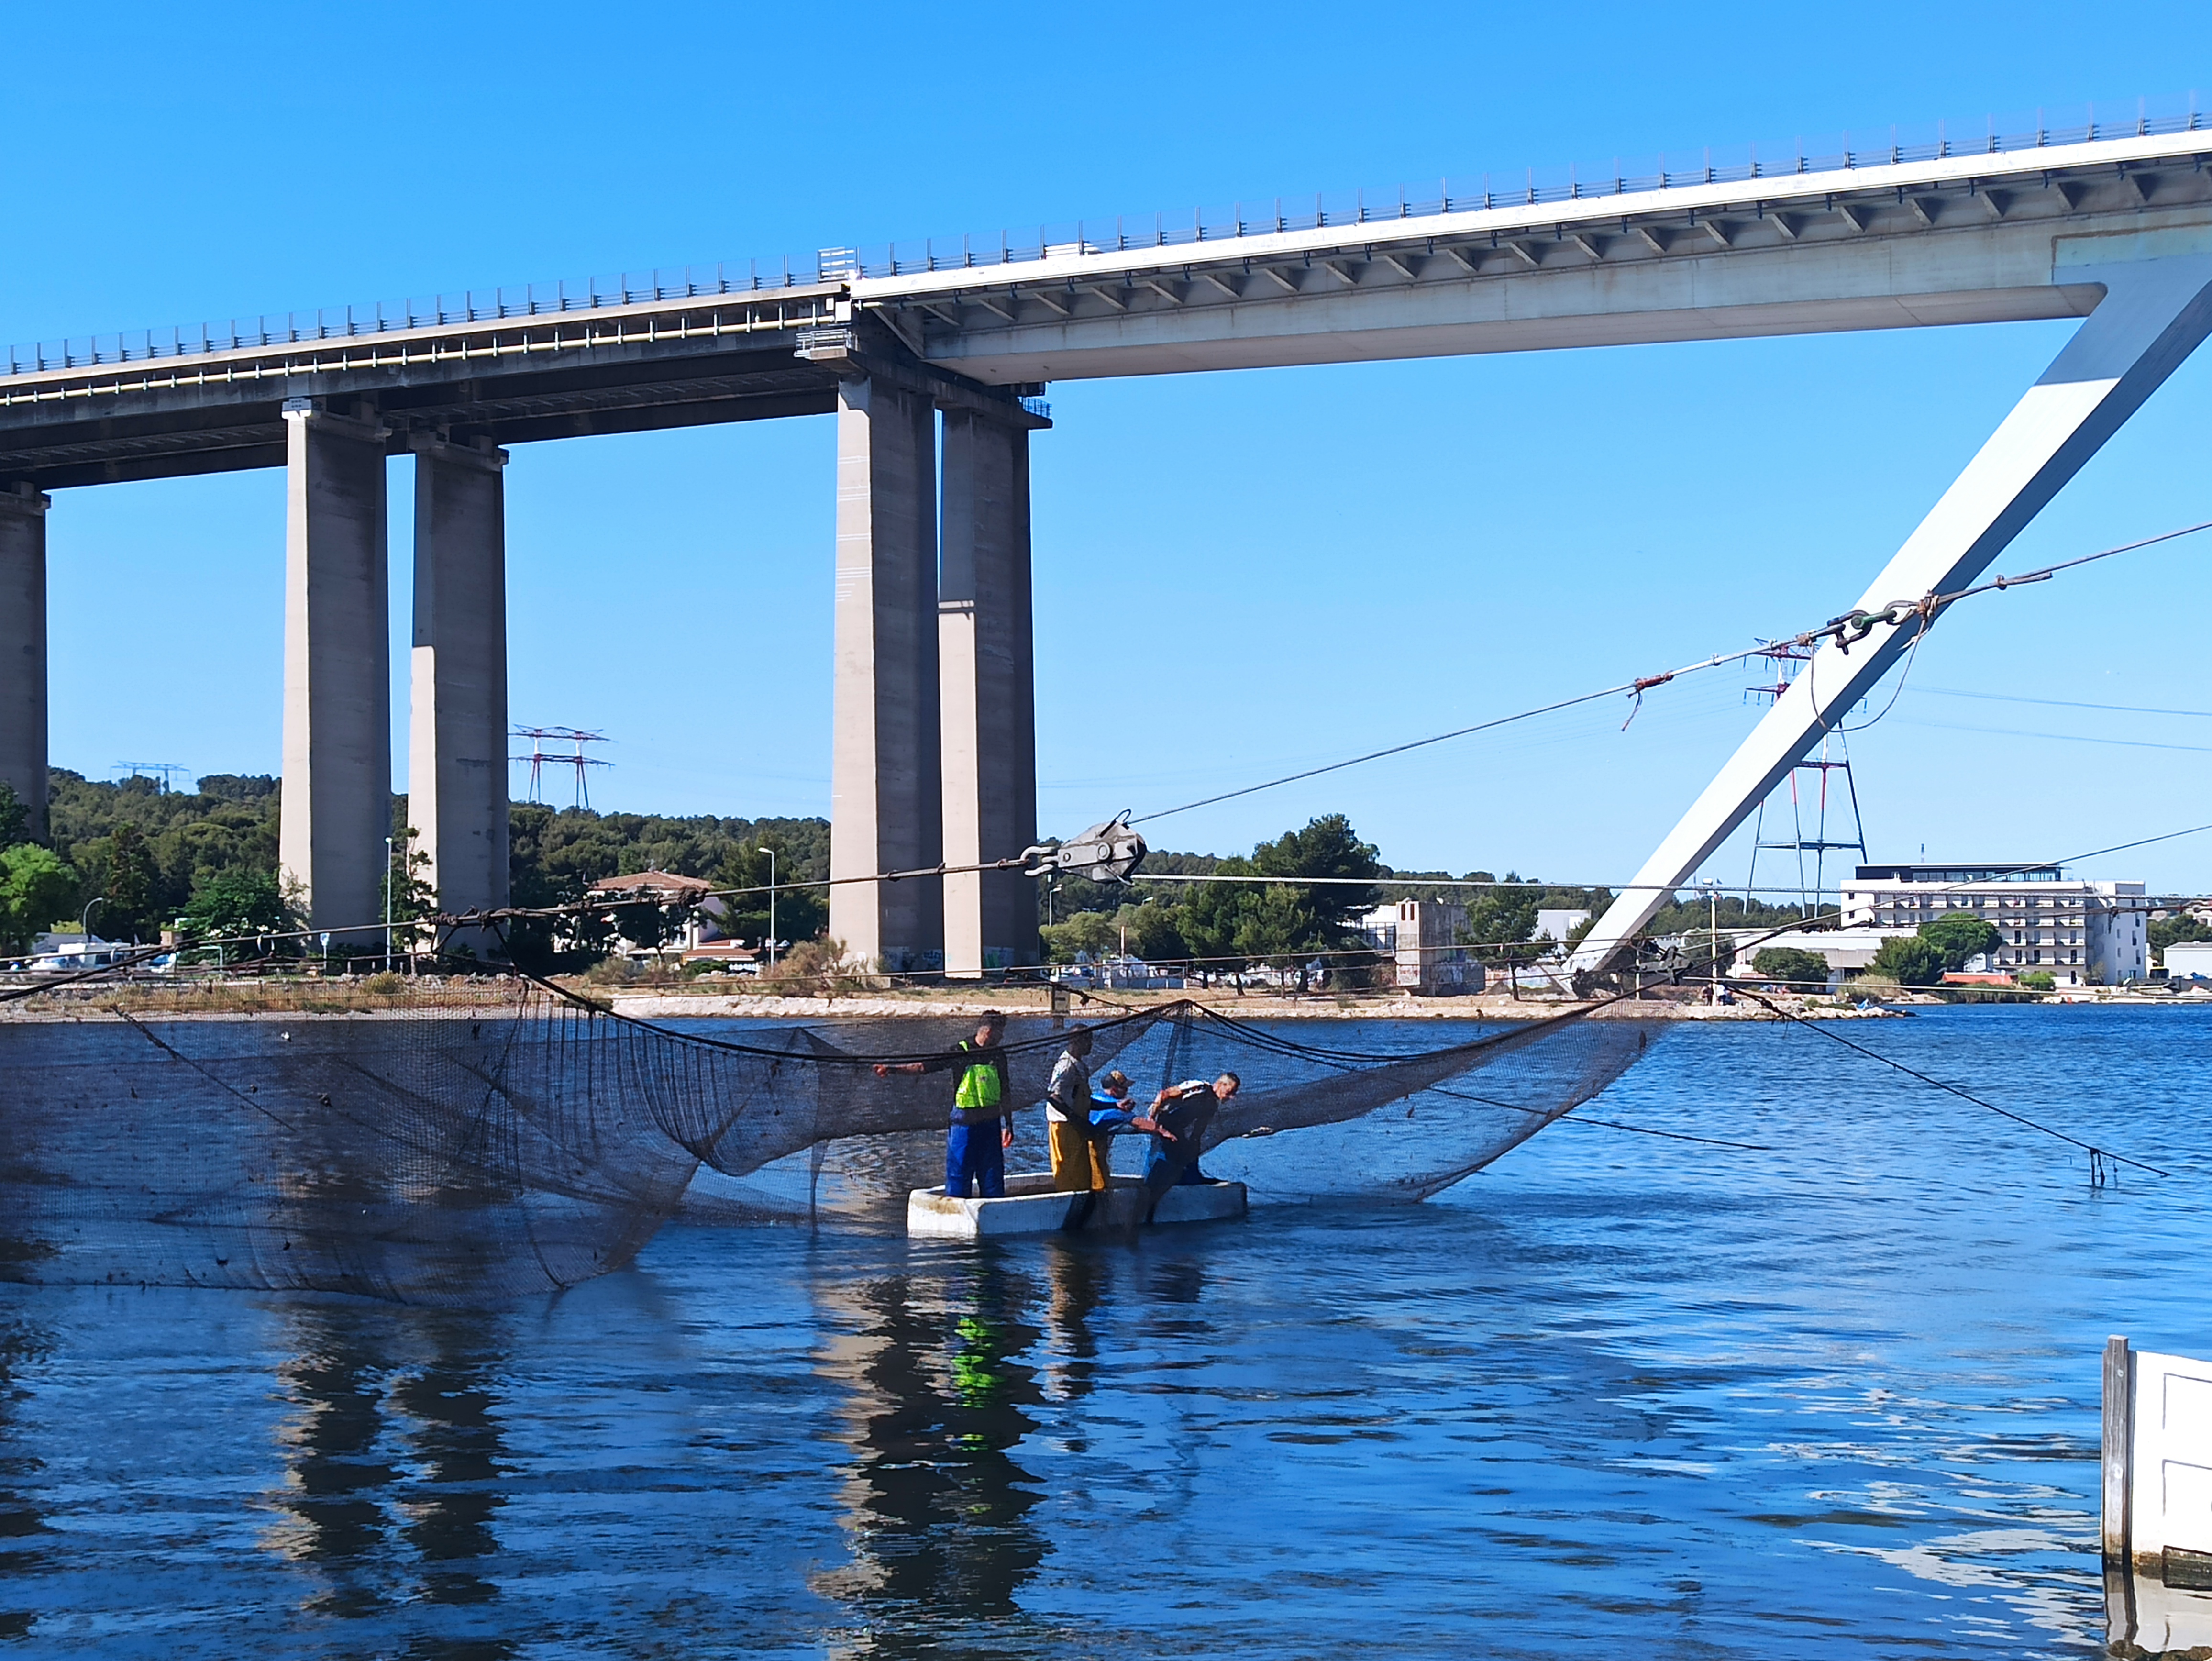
(2118, 1451)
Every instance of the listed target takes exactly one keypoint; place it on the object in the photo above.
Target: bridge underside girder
(158, 434)
(1965, 249)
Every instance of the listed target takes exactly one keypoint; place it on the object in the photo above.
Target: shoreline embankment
(396, 996)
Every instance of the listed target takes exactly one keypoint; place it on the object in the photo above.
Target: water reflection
(394, 1461)
(937, 1503)
(2145, 1616)
(22, 1528)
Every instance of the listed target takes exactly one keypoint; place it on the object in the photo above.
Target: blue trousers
(974, 1151)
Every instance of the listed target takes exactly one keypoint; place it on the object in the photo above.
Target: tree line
(143, 859)
(139, 859)
(1293, 917)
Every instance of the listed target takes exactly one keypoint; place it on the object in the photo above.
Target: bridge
(934, 729)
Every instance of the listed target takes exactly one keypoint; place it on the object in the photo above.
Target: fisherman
(1183, 1113)
(982, 1115)
(1077, 1162)
(1111, 1115)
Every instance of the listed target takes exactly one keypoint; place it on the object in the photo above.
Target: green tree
(1327, 847)
(1278, 924)
(1500, 919)
(236, 907)
(1696, 911)
(1959, 935)
(1908, 960)
(2174, 930)
(35, 888)
(1788, 966)
(1153, 931)
(801, 914)
(1288, 922)
(1208, 915)
(131, 891)
(405, 895)
(1086, 931)
(15, 816)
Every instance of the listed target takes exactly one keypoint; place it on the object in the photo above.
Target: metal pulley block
(1105, 853)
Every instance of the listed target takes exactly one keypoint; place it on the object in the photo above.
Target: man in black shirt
(1184, 1112)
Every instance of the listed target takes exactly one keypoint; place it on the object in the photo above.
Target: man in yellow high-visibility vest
(983, 1126)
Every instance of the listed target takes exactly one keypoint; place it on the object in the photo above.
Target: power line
(2058, 703)
(1846, 631)
(2060, 738)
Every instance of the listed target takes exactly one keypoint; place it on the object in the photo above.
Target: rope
(2095, 1152)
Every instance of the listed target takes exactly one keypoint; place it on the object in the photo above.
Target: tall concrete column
(457, 778)
(884, 809)
(338, 672)
(23, 650)
(2156, 310)
(989, 661)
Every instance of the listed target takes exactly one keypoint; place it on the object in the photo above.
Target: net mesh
(431, 1154)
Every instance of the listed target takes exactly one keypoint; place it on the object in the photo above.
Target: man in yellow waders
(1078, 1159)
(982, 1118)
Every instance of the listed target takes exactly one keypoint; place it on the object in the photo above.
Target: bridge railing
(1531, 187)
(1111, 235)
(658, 286)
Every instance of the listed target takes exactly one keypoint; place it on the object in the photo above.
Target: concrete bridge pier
(884, 785)
(457, 773)
(337, 687)
(985, 645)
(23, 650)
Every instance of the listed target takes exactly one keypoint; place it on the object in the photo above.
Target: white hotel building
(2077, 932)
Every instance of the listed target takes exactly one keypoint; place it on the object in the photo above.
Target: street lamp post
(387, 905)
(84, 921)
(1712, 887)
(771, 908)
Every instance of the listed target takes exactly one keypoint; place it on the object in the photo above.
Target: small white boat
(1033, 1206)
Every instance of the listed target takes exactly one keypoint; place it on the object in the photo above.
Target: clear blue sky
(1236, 575)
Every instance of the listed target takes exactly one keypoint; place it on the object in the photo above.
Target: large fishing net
(531, 1140)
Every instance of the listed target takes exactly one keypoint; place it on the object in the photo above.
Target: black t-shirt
(1187, 1117)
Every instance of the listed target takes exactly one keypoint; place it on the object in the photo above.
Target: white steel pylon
(2156, 308)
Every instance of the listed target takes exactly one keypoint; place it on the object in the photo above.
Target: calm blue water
(1618, 1395)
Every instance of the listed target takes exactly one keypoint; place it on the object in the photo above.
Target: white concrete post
(338, 672)
(985, 645)
(885, 812)
(23, 651)
(2157, 308)
(457, 774)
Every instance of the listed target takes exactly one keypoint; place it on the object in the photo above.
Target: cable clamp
(1110, 852)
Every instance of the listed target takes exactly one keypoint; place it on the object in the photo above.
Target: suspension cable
(1845, 630)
